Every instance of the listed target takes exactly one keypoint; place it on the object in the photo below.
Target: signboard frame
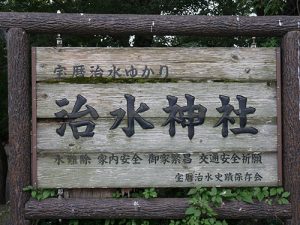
(18, 25)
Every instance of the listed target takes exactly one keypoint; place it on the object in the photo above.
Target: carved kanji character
(78, 71)
(132, 115)
(59, 71)
(75, 114)
(96, 72)
(242, 112)
(226, 109)
(114, 72)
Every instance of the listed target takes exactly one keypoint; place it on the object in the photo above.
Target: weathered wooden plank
(88, 193)
(106, 98)
(150, 24)
(145, 177)
(140, 170)
(206, 138)
(238, 64)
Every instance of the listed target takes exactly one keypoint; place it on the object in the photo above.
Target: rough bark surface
(150, 24)
(162, 208)
(3, 168)
(19, 122)
(291, 120)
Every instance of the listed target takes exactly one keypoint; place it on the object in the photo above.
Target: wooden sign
(155, 117)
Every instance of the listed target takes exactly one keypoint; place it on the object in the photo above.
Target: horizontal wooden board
(92, 173)
(69, 162)
(206, 139)
(106, 98)
(238, 64)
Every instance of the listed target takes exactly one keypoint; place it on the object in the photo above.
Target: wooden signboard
(156, 117)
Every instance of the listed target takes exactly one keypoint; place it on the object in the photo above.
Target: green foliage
(73, 222)
(149, 193)
(117, 194)
(269, 7)
(139, 193)
(203, 199)
(40, 194)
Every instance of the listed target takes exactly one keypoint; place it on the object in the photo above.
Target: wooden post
(19, 122)
(291, 120)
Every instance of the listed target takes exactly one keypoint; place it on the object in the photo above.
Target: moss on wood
(96, 80)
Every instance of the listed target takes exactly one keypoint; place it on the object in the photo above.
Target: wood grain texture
(143, 24)
(237, 64)
(161, 208)
(89, 193)
(106, 98)
(19, 122)
(206, 139)
(253, 69)
(115, 173)
(34, 117)
(291, 120)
